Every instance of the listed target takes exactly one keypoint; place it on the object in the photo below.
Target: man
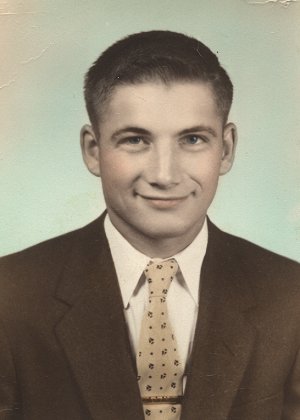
(151, 311)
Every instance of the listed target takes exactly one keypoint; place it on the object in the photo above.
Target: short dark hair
(155, 55)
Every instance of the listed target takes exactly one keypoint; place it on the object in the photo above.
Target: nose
(163, 169)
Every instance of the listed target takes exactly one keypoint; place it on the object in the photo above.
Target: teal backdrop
(46, 47)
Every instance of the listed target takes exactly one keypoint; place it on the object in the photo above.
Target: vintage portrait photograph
(150, 212)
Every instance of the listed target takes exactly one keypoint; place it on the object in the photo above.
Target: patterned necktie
(160, 371)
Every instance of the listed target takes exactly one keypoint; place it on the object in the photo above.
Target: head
(159, 137)
(163, 56)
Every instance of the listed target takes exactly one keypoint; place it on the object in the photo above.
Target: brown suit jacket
(65, 352)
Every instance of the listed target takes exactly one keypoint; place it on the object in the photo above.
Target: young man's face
(160, 154)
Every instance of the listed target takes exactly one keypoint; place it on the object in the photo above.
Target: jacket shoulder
(267, 273)
(41, 261)
(259, 257)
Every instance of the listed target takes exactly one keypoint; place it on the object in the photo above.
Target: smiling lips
(164, 202)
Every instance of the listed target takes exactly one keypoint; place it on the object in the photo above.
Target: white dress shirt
(183, 294)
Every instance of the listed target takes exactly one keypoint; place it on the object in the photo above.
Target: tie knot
(159, 276)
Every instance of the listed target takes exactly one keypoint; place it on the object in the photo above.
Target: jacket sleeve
(291, 406)
(9, 408)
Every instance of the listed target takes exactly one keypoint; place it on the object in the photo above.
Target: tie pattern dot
(159, 367)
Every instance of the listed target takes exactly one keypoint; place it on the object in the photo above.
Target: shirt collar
(130, 263)
(190, 261)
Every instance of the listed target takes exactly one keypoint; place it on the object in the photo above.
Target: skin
(160, 153)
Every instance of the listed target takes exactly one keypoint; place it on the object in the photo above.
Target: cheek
(117, 171)
(108, 164)
(205, 171)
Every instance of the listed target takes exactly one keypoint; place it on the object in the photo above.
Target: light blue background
(48, 46)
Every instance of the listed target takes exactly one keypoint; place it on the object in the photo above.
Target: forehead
(157, 102)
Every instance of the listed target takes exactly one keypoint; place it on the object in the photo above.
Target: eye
(134, 144)
(134, 140)
(193, 139)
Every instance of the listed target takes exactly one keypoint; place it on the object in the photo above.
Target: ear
(229, 147)
(90, 149)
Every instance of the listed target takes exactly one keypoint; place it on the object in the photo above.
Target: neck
(156, 246)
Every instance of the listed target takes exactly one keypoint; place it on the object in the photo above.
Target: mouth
(163, 202)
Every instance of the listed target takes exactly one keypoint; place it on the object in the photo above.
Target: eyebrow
(198, 128)
(131, 129)
(143, 131)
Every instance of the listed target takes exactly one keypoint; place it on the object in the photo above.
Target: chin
(166, 231)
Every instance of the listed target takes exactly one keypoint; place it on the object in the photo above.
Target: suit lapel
(223, 338)
(93, 332)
